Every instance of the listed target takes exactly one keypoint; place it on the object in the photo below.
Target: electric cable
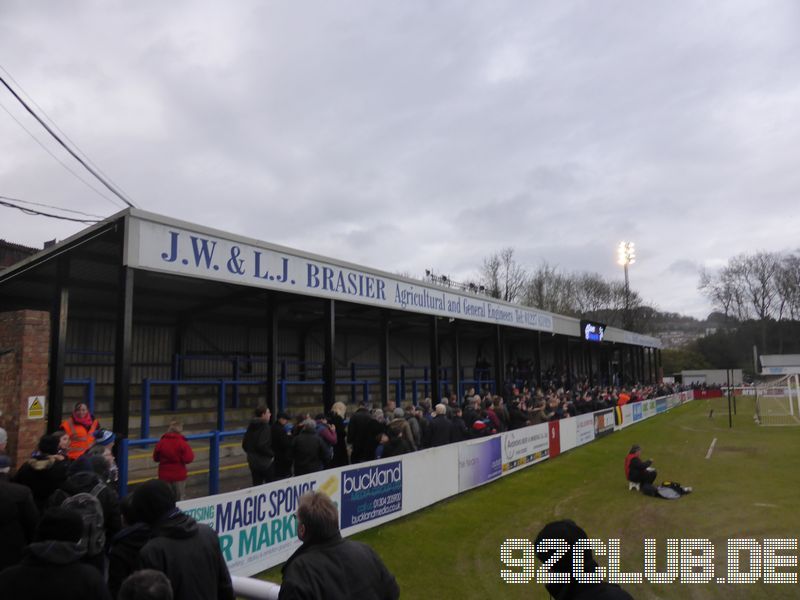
(97, 175)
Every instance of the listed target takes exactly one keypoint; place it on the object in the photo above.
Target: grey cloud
(415, 135)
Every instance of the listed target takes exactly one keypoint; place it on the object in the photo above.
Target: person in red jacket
(173, 453)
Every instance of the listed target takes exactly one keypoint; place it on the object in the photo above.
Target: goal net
(778, 401)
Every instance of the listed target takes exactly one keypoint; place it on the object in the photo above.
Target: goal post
(778, 401)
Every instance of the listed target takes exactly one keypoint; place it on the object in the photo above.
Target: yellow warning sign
(36, 407)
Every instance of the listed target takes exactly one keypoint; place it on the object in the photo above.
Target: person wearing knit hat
(153, 500)
(186, 551)
(570, 532)
(45, 471)
(52, 567)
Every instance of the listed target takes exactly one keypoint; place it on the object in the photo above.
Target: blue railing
(213, 437)
(222, 387)
(90, 390)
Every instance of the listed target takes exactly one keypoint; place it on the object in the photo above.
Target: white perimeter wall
(257, 527)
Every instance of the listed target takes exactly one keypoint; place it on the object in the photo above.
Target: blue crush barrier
(214, 438)
(90, 390)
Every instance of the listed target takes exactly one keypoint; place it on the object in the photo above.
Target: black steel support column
(643, 379)
(329, 368)
(650, 377)
(455, 377)
(123, 352)
(273, 397)
(434, 367)
(658, 365)
(589, 363)
(499, 361)
(58, 346)
(383, 358)
(538, 358)
(568, 362)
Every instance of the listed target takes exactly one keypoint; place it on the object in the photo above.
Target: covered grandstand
(148, 315)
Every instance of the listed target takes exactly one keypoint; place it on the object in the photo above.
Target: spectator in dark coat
(51, 567)
(308, 450)
(638, 470)
(472, 411)
(186, 551)
(123, 556)
(46, 471)
(517, 416)
(327, 433)
(282, 446)
(18, 517)
(173, 453)
(327, 566)
(460, 430)
(572, 590)
(257, 443)
(440, 431)
(414, 425)
(399, 443)
(336, 418)
(359, 436)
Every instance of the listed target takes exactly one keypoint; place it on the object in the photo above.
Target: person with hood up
(173, 453)
(52, 567)
(186, 551)
(574, 590)
(45, 471)
(257, 443)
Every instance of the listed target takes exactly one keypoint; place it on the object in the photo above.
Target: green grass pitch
(748, 488)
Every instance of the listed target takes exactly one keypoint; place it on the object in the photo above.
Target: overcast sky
(412, 135)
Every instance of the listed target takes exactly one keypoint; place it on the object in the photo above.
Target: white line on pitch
(711, 448)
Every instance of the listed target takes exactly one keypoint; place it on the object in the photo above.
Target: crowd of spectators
(65, 534)
(304, 444)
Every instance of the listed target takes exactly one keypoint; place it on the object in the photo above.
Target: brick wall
(23, 372)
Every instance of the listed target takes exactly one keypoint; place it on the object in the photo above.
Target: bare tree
(760, 273)
(550, 289)
(787, 284)
(592, 293)
(503, 277)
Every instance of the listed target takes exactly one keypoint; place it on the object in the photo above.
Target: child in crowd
(173, 453)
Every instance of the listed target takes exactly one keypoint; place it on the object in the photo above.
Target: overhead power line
(61, 131)
(4, 201)
(58, 160)
(69, 210)
(55, 136)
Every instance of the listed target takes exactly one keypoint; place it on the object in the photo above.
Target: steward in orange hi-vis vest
(80, 427)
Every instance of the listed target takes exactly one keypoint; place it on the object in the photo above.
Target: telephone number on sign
(747, 561)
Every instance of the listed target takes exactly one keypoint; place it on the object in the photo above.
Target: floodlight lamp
(626, 253)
